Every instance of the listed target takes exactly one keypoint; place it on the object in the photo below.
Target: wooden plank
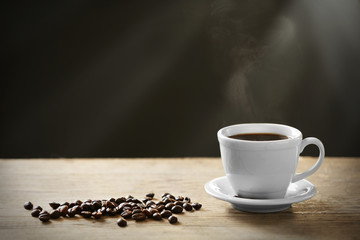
(334, 213)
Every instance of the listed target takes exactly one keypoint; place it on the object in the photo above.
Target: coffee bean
(71, 212)
(172, 219)
(160, 203)
(35, 212)
(54, 205)
(110, 204)
(156, 216)
(147, 213)
(187, 206)
(120, 200)
(71, 205)
(153, 210)
(85, 206)
(111, 211)
(196, 206)
(177, 209)
(139, 216)
(121, 222)
(126, 214)
(166, 200)
(76, 209)
(151, 195)
(65, 203)
(149, 203)
(78, 202)
(129, 197)
(55, 214)
(28, 205)
(169, 206)
(170, 196)
(63, 210)
(38, 207)
(166, 214)
(97, 214)
(180, 203)
(161, 208)
(86, 214)
(179, 198)
(187, 199)
(44, 212)
(164, 195)
(111, 200)
(44, 217)
(136, 211)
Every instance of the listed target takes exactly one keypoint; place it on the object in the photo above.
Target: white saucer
(297, 192)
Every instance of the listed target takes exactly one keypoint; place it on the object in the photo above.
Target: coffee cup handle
(304, 143)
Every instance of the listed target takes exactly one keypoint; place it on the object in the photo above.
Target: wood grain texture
(334, 213)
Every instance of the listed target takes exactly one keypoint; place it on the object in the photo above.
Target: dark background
(159, 78)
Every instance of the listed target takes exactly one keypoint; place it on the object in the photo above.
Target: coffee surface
(259, 136)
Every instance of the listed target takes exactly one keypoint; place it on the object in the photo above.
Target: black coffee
(259, 136)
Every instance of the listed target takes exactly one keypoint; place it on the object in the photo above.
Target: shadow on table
(297, 220)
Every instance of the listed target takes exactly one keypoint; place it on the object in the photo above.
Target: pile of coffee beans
(127, 207)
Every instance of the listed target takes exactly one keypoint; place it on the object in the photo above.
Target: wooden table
(334, 213)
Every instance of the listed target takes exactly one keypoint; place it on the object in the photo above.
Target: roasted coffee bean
(65, 203)
(179, 198)
(169, 206)
(103, 210)
(172, 219)
(97, 214)
(63, 210)
(170, 196)
(166, 213)
(160, 203)
(196, 206)
(28, 205)
(35, 212)
(166, 200)
(187, 207)
(178, 203)
(86, 214)
(164, 195)
(44, 212)
(153, 210)
(177, 209)
(136, 211)
(111, 211)
(126, 214)
(120, 200)
(88, 201)
(149, 203)
(147, 213)
(139, 216)
(129, 197)
(121, 222)
(55, 214)
(135, 200)
(71, 205)
(151, 195)
(85, 206)
(54, 205)
(156, 216)
(187, 199)
(110, 204)
(44, 217)
(111, 199)
(38, 207)
(76, 209)
(71, 212)
(78, 202)
(160, 208)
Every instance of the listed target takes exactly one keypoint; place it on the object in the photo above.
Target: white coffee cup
(264, 169)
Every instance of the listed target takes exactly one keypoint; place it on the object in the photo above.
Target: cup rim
(296, 134)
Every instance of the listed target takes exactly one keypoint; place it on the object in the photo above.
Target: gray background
(159, 78)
